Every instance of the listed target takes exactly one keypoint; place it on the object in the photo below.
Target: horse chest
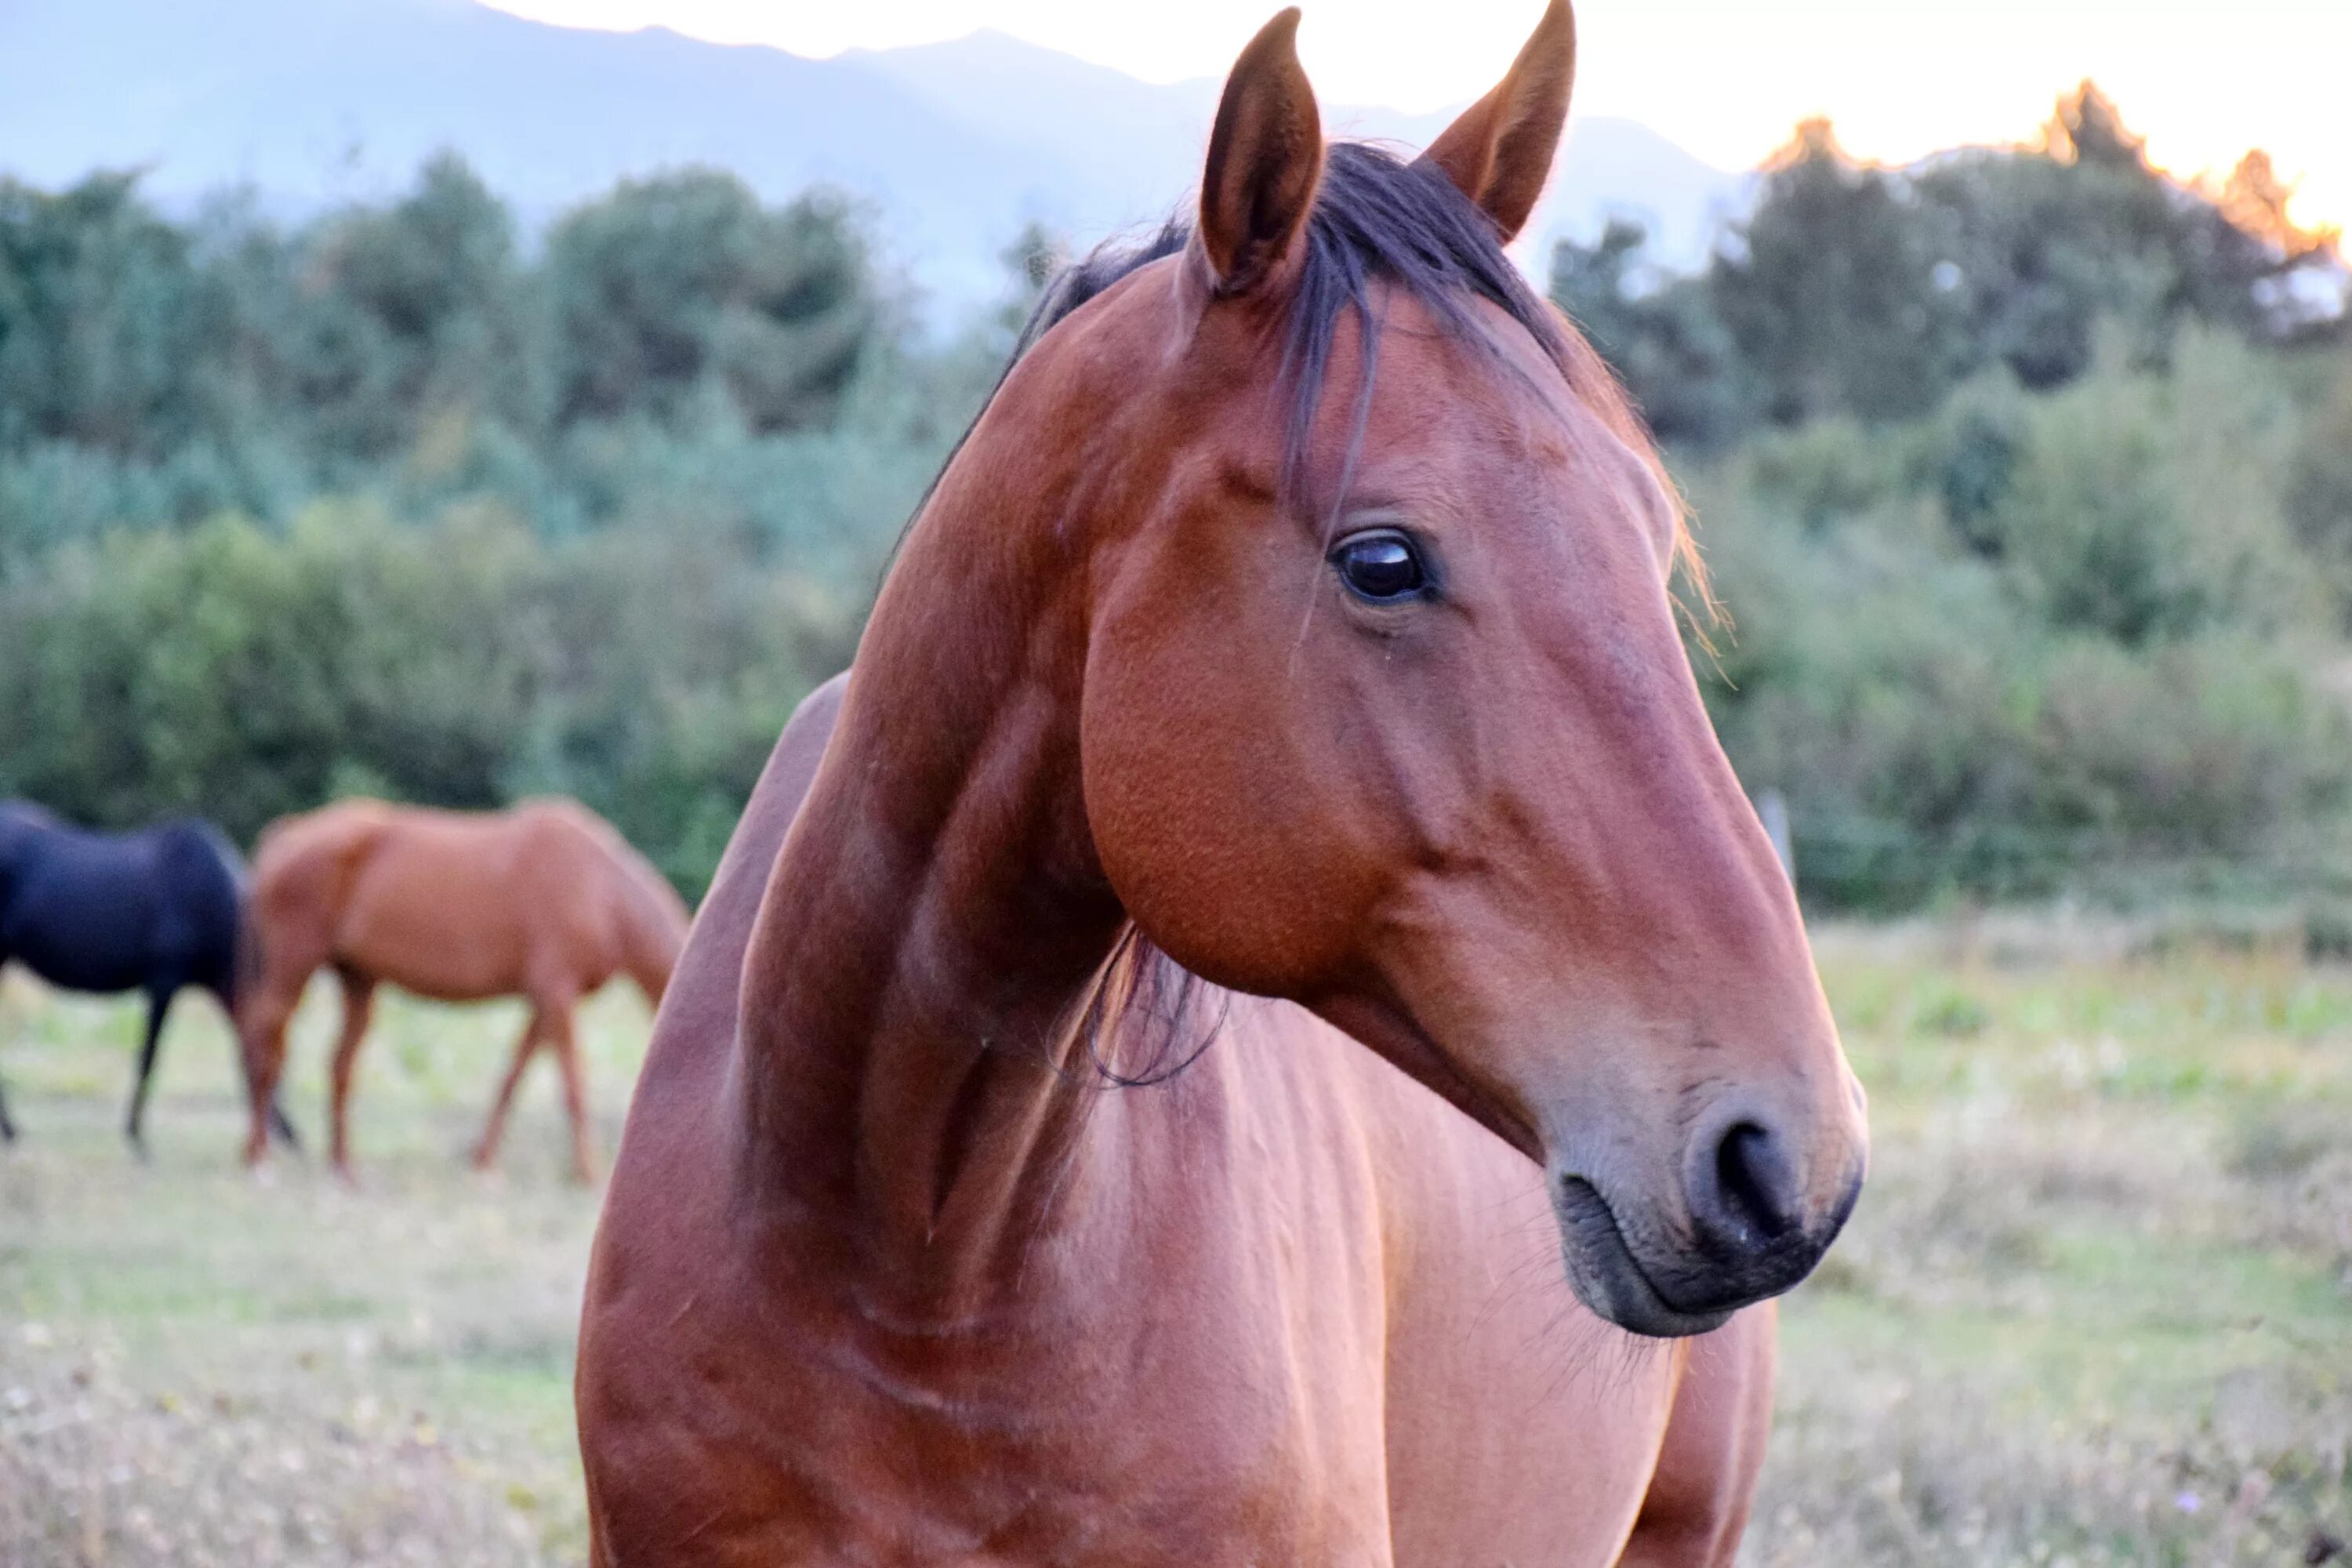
(1172, 1436)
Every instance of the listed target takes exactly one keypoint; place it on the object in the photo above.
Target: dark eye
(1380, 566)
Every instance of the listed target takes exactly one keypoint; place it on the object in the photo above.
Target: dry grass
(2097, 1307)
(197, 1367)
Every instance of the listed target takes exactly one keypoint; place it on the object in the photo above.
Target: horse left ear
(1500, 152)
(1265, 158)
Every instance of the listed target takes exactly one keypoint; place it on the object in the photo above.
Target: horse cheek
(1203, 812)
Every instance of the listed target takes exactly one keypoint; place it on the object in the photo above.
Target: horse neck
(651, 931)
(932, 921)
(652, 955)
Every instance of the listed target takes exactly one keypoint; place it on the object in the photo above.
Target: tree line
(2025, 473)
(1874, 293)
(388, 501)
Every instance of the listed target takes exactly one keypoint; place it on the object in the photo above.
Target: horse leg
(359, 1008)
(262, 1020)
(486, 1153)
(575, 1095)
(279, 1127)
(159, 1005)
(265, 1062)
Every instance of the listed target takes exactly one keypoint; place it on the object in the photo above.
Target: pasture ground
(2095, 1309)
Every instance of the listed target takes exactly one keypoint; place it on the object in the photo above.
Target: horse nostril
(1756, 1182)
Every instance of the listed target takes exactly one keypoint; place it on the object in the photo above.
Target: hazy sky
(1725, 79)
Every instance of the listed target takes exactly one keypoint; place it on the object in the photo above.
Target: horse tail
(239, 878)
(206, 877)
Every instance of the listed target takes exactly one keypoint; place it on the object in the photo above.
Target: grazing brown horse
(544, 902)
(1279, 701)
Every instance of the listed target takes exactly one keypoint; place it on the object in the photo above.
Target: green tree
(2319, 484)
(100, 320)
(1831, 291)
(407, 315)
(1662, 333)
(2042, 244)
(679, 290)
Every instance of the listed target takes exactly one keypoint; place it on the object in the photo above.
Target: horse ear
(1265, 157)
(1500, 152)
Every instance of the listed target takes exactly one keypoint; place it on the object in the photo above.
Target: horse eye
(1380, 566)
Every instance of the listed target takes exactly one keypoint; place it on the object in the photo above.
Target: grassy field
(2096, 1307)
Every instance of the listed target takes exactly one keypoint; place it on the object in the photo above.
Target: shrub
(244, 674)
(1984, 651)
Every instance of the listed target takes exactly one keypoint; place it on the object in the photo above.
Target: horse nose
(1745, 1185)
(1755, 1181)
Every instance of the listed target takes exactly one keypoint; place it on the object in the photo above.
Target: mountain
(1121, 137)
(953, 146)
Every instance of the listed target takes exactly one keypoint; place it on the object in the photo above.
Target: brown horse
(544, 902)
(1359, 697)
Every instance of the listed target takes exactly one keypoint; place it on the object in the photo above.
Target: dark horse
(154, 911)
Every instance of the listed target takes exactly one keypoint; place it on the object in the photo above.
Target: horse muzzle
(1748, 1228)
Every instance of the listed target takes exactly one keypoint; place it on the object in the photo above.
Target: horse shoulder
(1420, 1295)
(307, 867)
(1512, 1411)
(1698, 1502)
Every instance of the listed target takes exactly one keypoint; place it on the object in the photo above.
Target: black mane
(1375, 218)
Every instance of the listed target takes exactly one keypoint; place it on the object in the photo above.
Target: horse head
(1363, 572)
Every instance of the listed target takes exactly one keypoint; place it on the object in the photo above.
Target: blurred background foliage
(2026, 476)
(390, 503)
(2025, 473)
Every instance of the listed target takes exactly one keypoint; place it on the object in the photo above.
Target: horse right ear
(1265, 158)
(1499, 152)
